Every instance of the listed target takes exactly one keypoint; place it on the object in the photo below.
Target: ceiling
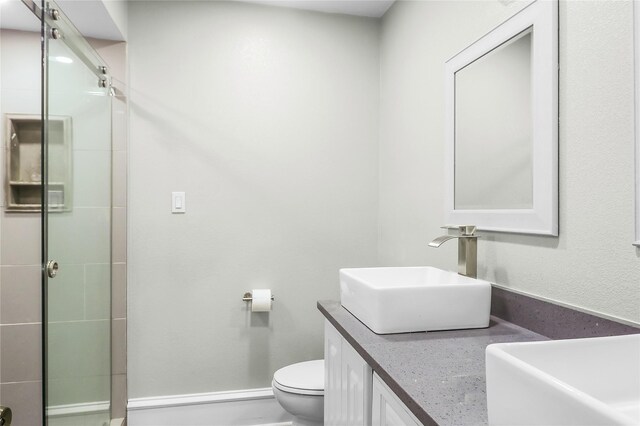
(15, 16)
(370, 8)
(90, 17)
(93, 20)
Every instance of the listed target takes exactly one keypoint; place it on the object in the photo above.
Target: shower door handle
(5, 416)
(52, 271)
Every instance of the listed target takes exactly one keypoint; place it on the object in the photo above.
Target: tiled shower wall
(20, 303)
(20, 300)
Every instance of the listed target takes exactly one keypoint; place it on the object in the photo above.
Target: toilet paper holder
(248, 297)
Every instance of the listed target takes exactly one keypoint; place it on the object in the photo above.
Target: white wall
(267, 119)
(592, 264)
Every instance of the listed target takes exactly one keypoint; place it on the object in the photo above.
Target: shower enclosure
(58, 168)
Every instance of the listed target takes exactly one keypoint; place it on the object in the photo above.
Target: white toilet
(299, 389)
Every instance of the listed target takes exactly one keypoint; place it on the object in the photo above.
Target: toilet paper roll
(261, 300)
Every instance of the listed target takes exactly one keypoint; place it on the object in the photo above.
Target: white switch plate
(178, 202)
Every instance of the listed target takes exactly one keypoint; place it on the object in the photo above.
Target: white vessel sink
(565, 382)
(408, 299)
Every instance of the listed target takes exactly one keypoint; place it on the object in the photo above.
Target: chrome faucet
(467, 249)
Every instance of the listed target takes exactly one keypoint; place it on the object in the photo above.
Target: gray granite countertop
(439, 376)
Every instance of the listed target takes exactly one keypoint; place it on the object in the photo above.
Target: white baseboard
(198, 398)
(241, 408)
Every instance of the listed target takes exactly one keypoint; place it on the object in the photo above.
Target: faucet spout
(437, 242)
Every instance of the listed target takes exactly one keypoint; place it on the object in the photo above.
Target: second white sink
(576, 382)
(409, 299)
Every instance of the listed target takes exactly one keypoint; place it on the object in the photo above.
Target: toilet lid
(304, 378)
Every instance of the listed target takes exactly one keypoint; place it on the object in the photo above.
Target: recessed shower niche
(24, 170)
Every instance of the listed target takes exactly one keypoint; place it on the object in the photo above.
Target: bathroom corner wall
(266, 118)
(592, 264)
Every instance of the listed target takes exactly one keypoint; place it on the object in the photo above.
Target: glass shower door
(77, 234)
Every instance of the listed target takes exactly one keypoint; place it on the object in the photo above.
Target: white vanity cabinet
(387, 409)
(348, 382)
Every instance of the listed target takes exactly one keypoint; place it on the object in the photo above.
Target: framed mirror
(502, 126)
(636, 29)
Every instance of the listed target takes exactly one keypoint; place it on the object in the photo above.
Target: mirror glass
(493, 129)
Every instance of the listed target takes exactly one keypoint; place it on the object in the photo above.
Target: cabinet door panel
(356, 387)
(387, 409)
(332, 376)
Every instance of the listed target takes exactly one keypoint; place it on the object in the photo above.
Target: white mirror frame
(636, 29)
(542, 219)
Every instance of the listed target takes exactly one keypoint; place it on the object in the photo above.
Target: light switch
(178, 202)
